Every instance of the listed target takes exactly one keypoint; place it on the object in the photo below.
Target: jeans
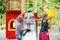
(59, 29)
(18, 37)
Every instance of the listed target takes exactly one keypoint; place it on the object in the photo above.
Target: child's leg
(28, 30)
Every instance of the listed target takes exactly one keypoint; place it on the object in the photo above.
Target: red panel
(11, 15)
(35, 15)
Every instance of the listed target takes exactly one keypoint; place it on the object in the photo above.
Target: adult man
(19, 27)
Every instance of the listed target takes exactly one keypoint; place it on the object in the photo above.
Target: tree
(2, 11)
(2, 6)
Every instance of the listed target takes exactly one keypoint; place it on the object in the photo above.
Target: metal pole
(35, 12)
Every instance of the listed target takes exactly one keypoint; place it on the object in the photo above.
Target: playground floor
(54, 35)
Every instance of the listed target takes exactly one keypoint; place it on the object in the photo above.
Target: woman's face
(43, 16)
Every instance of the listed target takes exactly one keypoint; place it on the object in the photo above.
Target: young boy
(28, 25)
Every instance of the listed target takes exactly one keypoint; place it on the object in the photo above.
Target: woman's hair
(44, 14)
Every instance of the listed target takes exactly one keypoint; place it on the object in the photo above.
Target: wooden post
(35, 6)
(22, 6)
(42, 5)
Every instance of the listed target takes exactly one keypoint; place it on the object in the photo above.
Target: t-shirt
(19, 27)
(44, 26)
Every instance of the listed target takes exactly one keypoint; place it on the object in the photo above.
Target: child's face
(31, 17)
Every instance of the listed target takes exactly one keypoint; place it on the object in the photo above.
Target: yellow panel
(50, 13)
(9, 25)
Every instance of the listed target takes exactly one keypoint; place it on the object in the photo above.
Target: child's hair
(45, 14)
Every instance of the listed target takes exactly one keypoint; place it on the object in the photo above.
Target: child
(28, 25)
(43, 35)
(29, 22)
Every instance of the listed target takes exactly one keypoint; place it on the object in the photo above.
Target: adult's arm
(20, 28)
(39, 19)
(49, 25)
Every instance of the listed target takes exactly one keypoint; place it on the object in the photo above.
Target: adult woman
(45, 24)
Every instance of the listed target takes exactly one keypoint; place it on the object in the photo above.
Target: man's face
(20, 19)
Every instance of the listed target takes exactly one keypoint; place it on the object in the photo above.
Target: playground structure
(14, 8)
(17, 7)
(32, 26)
